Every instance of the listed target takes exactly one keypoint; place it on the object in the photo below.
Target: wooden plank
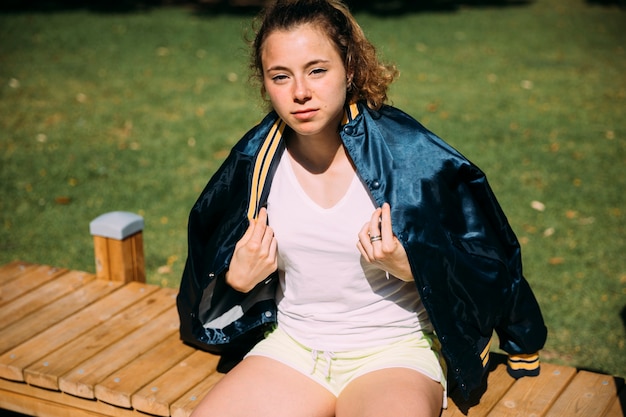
(30, 326)
(118, 388)
(498, 383)
(27, 281)
(533, 396)
(156, 397)
(12, 270)
(588, 395)
(39, 402)
(81, 380)
(184, 406)
(46, 371)
(618, 408)
(13, 362)
(45, 294)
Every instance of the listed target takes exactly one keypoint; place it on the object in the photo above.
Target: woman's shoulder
(255, 136)
(401, 129)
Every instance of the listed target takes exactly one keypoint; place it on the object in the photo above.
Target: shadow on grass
(378, 7)
(621, 3)
(244, 7)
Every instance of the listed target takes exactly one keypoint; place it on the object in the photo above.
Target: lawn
(134, 111)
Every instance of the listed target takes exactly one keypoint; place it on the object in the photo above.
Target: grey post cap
(116, 225)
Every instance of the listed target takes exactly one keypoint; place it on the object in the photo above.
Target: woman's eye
(318, 71)
(279, 77)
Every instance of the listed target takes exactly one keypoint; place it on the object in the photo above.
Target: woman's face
(305, 79)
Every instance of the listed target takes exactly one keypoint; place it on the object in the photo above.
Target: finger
(262, 217)
(364, 253)
(364, 233)
(273, 252)
(271, 245)
(386, 230)
(268, 238)
(374, 225)
(248, 233)
(260, 224)
(364, 244)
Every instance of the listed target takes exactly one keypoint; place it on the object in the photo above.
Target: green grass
(103, 112)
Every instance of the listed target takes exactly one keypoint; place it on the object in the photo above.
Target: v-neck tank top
(329, 298)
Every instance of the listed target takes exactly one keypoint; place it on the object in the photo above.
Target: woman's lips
(304, 114)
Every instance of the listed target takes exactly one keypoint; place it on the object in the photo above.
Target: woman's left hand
(380, 247)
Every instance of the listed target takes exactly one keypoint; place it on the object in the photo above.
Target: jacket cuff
(523, 365)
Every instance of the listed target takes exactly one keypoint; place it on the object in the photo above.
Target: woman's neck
(316, 154)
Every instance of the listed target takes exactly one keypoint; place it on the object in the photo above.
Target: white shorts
(335, 370)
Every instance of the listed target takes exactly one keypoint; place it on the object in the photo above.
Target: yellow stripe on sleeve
(262, 165)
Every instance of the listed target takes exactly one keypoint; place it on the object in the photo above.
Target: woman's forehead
(294, 40)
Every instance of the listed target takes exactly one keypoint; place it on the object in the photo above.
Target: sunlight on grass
(102, 112)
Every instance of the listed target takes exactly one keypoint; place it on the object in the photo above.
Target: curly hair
(370, 77)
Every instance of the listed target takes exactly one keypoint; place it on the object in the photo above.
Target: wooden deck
(72, 344)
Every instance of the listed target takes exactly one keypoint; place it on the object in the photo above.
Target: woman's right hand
(255, 256)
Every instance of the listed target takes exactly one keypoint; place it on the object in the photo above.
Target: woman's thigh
(398, 392)
(262, 387)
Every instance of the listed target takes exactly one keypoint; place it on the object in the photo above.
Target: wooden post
(118, 246)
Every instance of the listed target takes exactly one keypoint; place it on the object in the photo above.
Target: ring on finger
(375, 238)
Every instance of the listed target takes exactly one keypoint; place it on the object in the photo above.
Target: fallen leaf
(527, 84)
(432, 107)
(557, 260)
(538, 205)
(63, 200)
(172, 259)
(165, 269)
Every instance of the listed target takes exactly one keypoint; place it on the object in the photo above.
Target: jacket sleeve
(214, 316)
(520, 325)
(208, 253)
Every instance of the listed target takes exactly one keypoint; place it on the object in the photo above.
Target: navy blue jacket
(464, 256)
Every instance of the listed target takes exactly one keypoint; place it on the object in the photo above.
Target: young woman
(343, 256)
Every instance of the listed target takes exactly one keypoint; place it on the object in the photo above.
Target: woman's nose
(301, 91)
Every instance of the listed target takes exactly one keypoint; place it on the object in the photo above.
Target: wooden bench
(106, 344)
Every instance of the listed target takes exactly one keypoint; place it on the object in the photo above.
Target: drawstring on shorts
(328, 357)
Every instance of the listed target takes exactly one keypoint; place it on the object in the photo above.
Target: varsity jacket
(463, 254)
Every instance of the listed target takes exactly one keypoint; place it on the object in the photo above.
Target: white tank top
(329, 299)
